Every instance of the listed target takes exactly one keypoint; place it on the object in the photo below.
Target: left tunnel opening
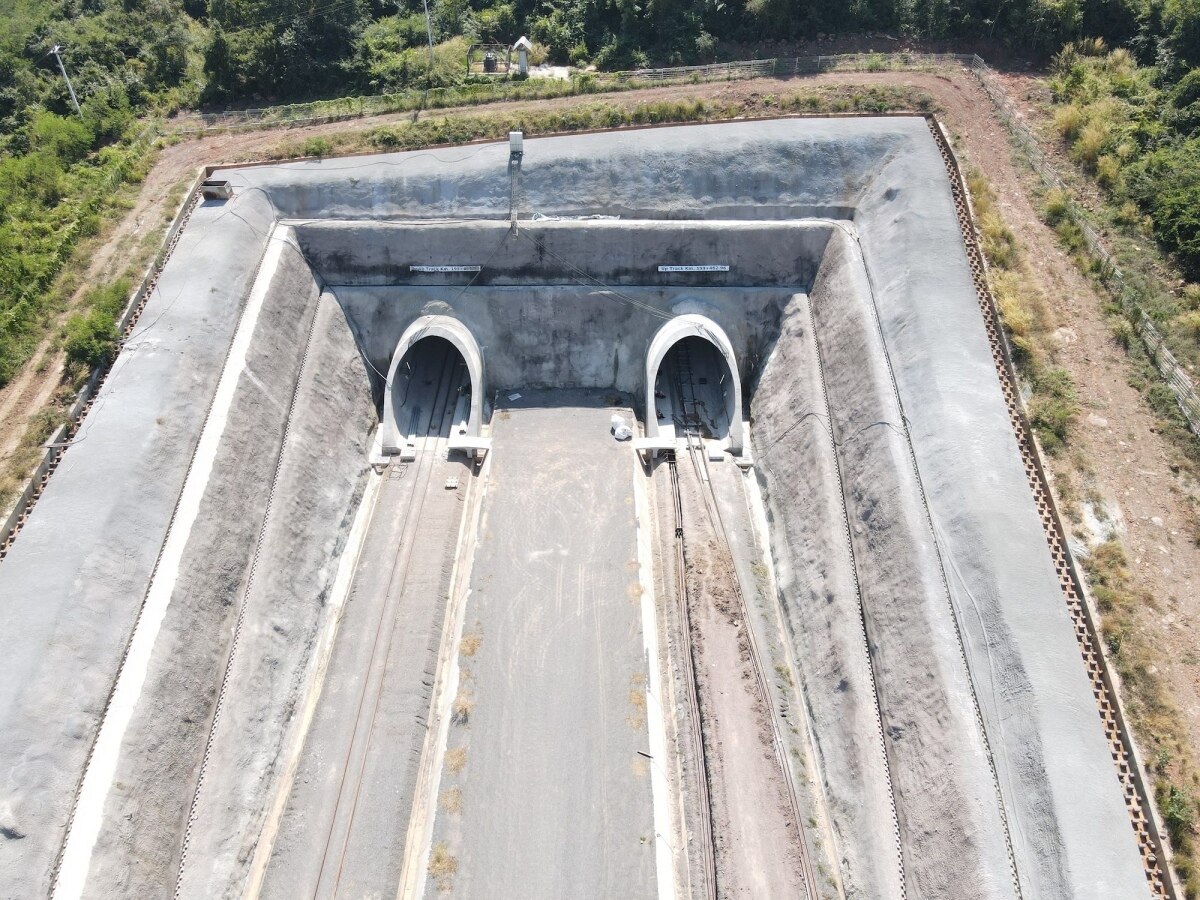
(430, 392)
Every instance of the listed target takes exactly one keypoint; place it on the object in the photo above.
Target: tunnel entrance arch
(672, 333)
(457, 334)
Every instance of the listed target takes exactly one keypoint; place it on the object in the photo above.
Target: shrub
(89, 340)
(1191, 296)
(1122, 331)
(999, 243)
(68, 139)
(1057, 207)
(1189, 324)
(1128, 214)
(1069, 120)
(1108, 172)
(579, 54)
(1091, 142)
(1054, 407)
(316, 146)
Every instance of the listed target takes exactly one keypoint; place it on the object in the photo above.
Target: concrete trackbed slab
(557, 681)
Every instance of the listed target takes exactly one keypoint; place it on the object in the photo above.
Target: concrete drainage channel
(427, 628)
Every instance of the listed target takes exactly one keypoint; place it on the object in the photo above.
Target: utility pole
(70, 87)
(429, 34)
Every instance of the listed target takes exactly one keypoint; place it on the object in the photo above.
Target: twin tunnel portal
(692, 387)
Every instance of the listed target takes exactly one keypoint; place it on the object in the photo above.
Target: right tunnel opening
(693, 387)
(693, 390)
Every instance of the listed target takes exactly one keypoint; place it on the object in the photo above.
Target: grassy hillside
(133, 58)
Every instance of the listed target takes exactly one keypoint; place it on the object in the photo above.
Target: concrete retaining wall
(137, 853)
(74, 582)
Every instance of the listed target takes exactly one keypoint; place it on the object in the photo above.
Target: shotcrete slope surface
(1034, 693)
(73, 583)
(138, 847)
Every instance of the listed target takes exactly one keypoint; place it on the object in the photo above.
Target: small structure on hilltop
(522, 48)
(489, 59)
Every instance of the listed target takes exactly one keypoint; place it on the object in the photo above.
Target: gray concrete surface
(566, 335)
(818, 600)
(784, 169)
(555, 797)
(73, 583)
(951, 823)
(138, 848)
(319, 481)
(1030, 679)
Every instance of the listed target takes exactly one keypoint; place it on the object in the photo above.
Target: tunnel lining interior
(419, 331)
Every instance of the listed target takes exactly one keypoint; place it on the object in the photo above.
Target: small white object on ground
(452, 483)
(514, 396)
(620, 430)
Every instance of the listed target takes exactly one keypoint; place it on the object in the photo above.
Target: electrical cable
(596, 282)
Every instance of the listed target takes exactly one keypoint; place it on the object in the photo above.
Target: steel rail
(422, 485)
(762, 687)
(695, 449)
(708, 861)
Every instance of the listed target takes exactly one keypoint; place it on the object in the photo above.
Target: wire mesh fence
(539, 88)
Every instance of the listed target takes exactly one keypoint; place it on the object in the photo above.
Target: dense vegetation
(130, 58)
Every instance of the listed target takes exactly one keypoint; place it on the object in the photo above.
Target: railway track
(432, 443)
(687, 402)
(708, 862)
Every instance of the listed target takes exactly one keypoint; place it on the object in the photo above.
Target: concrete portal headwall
(671, 333)
(565, 303)
(459, 335)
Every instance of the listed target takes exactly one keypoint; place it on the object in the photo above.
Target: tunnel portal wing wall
(459, 335)
(671, 333)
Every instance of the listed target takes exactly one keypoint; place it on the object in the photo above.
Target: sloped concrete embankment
(951, 822)
(73, 585)
(137, 852)
(819, 602)
(1069, 825)
(317, 486)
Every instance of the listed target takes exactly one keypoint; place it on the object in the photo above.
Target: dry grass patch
(464, 703)
(637, 701)
(471, 642)
(456, 759)
(443, 867)
(452, 800)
